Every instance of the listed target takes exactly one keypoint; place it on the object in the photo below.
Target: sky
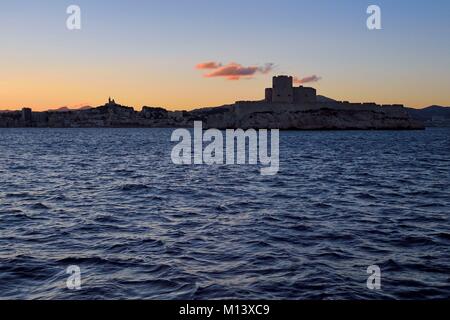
(188, 54)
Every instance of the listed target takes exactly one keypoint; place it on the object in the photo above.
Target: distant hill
(62, 109)
(67, 109)
(434, 116)
(430, 112)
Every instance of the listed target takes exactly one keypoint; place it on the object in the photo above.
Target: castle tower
(268, 95)
(283, 91)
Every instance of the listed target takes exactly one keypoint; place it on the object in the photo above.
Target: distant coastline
(284, 107)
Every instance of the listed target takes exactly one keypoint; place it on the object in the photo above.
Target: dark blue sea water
(111, 202)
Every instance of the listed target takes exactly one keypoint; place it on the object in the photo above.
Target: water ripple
(110, 201)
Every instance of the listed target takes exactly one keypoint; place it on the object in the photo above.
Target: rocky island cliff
(284, 107)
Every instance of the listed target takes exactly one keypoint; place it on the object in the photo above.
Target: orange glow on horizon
(48, 92)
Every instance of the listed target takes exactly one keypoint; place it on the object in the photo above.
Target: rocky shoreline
(285, 107)
(257, 115)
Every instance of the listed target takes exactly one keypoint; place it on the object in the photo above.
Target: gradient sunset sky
(146, 52)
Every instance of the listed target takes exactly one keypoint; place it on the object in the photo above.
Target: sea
(111, 204)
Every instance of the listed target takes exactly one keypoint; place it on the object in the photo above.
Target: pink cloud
(312, 78)
(208, 65)
(234, 71)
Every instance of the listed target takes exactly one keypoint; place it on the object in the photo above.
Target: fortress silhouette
(283, 91)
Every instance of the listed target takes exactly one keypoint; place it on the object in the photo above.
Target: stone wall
(304, 95)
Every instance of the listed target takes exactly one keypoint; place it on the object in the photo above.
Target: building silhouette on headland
(111, 102)
(283, 91)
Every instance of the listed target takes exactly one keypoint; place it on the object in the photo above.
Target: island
(284, 107)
